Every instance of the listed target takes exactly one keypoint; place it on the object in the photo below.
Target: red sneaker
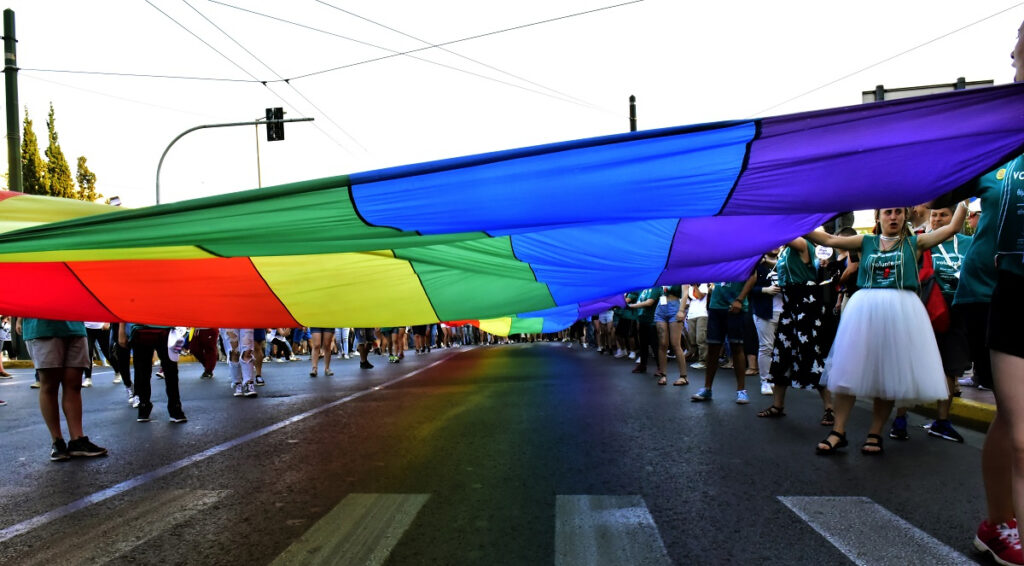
(1002, 541)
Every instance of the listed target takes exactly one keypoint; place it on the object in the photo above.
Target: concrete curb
(967, 413)
(27, 364)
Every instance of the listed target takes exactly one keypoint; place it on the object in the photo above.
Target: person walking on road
(59, 351)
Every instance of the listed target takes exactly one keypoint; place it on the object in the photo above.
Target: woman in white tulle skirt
(884, 347)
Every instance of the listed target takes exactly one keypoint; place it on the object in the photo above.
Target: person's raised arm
(822, 238)
(931, 239)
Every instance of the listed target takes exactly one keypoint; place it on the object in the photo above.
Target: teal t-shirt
(890, 269)
(725, 293)
(947, 260)
(978, 273)
(792, 271)
(1010, 236)
(629, 313)
(646, 314)
(33, 328)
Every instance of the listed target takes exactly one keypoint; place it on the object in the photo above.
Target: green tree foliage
(33, 168)
(86, 182)
(58, 172)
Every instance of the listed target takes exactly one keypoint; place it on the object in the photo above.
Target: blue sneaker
(899, 429)
(944, 429)
(742, 398)
(703, 395)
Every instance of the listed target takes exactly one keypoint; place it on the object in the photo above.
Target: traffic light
(275, 128)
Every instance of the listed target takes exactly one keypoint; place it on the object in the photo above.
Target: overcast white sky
(687, 62)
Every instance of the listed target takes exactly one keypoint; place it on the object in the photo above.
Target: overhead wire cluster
(519, 82)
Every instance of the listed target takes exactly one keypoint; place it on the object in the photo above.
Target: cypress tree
(86, 182)
(58, 172)
(33, 168)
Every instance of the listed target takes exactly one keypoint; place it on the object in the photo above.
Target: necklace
(888, 238)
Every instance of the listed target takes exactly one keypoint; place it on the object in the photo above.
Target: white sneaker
(249, 389)
(699, 365)
(619, 353)
(585, 345)
(632, 355)
(131, 394)
(766, 388)
(87, 382)
(238, 389)
(135, 401)
(266, 358)
(117, 378)
(346, 356)
(280, 360)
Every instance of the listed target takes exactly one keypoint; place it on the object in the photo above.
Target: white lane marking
(362, 529)
(97, 543)
(868, 533)
(29, 524)
(606, 529)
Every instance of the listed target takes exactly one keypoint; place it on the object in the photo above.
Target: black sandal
(832, 448)
(829, 419)
(869, 444)
(772, 412)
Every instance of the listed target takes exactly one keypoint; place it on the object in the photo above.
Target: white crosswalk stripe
(97, 542)
(867, 533)
(606, 529)
(362, 529)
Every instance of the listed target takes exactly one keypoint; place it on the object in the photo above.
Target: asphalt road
(520, 454)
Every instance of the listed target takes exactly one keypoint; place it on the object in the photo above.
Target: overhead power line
(446, 50)
(409, 53)
(886, 60)
(297, 91)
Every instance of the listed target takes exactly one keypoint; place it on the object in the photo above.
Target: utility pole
(632, 113)
(14, 179)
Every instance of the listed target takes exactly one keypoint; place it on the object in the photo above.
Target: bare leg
(662, 346)
(739, 366)
(844, 406)
(675, 331)
(997, 471)
(325, 343)
(714, 350)
(1006, 372)
(314, 353)
(50, 380)
(71, 400)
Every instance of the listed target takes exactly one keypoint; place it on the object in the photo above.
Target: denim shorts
(666, 312)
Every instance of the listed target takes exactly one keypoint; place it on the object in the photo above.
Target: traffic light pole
(204, 126)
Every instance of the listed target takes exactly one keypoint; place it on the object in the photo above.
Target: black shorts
(623, 327)
(419, 330)
(975, 317)
(722, 325)
(1004, 334)
(364, 335)
(953, 347)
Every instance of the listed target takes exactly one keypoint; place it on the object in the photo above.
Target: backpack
(931, 294)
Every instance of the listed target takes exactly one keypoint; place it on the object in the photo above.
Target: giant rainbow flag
(523, 240)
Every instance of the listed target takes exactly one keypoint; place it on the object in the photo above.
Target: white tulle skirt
(885, 347)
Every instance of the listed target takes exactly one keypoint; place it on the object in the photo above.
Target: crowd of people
(897, 315)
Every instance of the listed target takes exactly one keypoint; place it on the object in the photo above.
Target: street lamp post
(204, 126)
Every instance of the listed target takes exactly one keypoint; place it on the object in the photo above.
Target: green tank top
(890, 269)
(792, 271)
